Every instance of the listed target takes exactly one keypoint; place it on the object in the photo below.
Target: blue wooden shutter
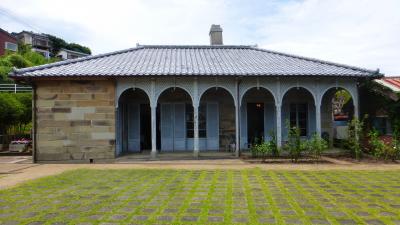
(243, 126)
(269, 120)
(167, 131)
(212, 126)
(179, 127)
(311, 129)
(133, 116)
(285, 118)
(118, 128)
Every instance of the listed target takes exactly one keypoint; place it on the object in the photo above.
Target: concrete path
(12, 174)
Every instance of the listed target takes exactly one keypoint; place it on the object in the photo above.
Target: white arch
(161, 91)
(251, 87)
(122, 90)
(299, 86)
(226, 89)
(337, 86)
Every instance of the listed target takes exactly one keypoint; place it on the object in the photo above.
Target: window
(202, 121)
(380, 124)
(11, 46)
(299, 118)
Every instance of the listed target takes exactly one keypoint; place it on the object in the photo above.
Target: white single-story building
(181, 97)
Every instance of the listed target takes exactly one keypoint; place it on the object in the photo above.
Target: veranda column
(195, 118)
(318, 118)
(237, 145)
(153, 105)
(196, 131)
(237, 133)
(153, 132)
(278, 125)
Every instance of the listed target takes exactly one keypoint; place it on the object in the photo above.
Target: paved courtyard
(247, 196)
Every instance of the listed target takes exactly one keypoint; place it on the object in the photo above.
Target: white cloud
(361, 33)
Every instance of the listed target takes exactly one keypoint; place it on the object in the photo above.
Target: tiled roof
(222, 60)
(393, 83)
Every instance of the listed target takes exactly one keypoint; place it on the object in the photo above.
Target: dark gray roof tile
(198, 60)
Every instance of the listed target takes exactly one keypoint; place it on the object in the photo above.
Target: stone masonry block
(103, 136)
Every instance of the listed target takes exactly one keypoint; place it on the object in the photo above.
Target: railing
(15, 88)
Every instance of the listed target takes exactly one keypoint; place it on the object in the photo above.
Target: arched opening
(258, 120)
(133, 122)
(337, 109)
(298, 110)
(217, 120)
(174, 120)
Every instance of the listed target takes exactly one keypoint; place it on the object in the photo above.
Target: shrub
(355, 133)
(11, 111)
(295, 146)
(316, 146)
(265, 148)
(273, 145)
(382, 150)
(377, 145)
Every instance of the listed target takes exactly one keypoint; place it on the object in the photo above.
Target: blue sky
(363, 33)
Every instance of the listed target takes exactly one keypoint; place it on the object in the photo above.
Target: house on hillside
(7, 42)
(65, 54)
(40, 42)
(171, 98)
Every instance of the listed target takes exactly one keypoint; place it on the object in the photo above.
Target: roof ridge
(195, 46)
(318, 60)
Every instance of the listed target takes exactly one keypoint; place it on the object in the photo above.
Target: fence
(15, 88)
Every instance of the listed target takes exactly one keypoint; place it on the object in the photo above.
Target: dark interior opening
(255, 122)
(145, 126)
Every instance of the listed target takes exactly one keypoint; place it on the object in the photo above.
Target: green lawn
(204, 197)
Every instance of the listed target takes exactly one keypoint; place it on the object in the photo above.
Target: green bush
(273, 144)
(355, 134)
(11, 111)
(265, 148)
(295, 146)
(316, 146)
(380, 150)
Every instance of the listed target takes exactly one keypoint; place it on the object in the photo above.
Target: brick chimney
(216, 35)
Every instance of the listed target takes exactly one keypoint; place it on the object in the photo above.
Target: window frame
(10, 43)
(297, 120)
(189, 120)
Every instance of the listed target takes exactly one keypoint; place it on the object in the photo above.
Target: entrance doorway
(145, 126)
(255, 122)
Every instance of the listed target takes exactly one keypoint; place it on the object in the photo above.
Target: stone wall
(75, 120)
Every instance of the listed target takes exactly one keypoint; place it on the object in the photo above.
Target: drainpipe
(34, 124)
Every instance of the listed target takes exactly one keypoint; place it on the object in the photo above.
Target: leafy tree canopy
(25, 57)
(58, 44)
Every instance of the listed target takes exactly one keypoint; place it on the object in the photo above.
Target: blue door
(133, 127)
(167, 128)
(212, 126)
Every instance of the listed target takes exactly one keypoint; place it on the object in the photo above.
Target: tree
(26, 102)
(57, 44)
(25, 57)
(79, 48)
(11, 111)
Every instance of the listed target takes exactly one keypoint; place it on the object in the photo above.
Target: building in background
(65, 54)
(7, 42)
(40, 42)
